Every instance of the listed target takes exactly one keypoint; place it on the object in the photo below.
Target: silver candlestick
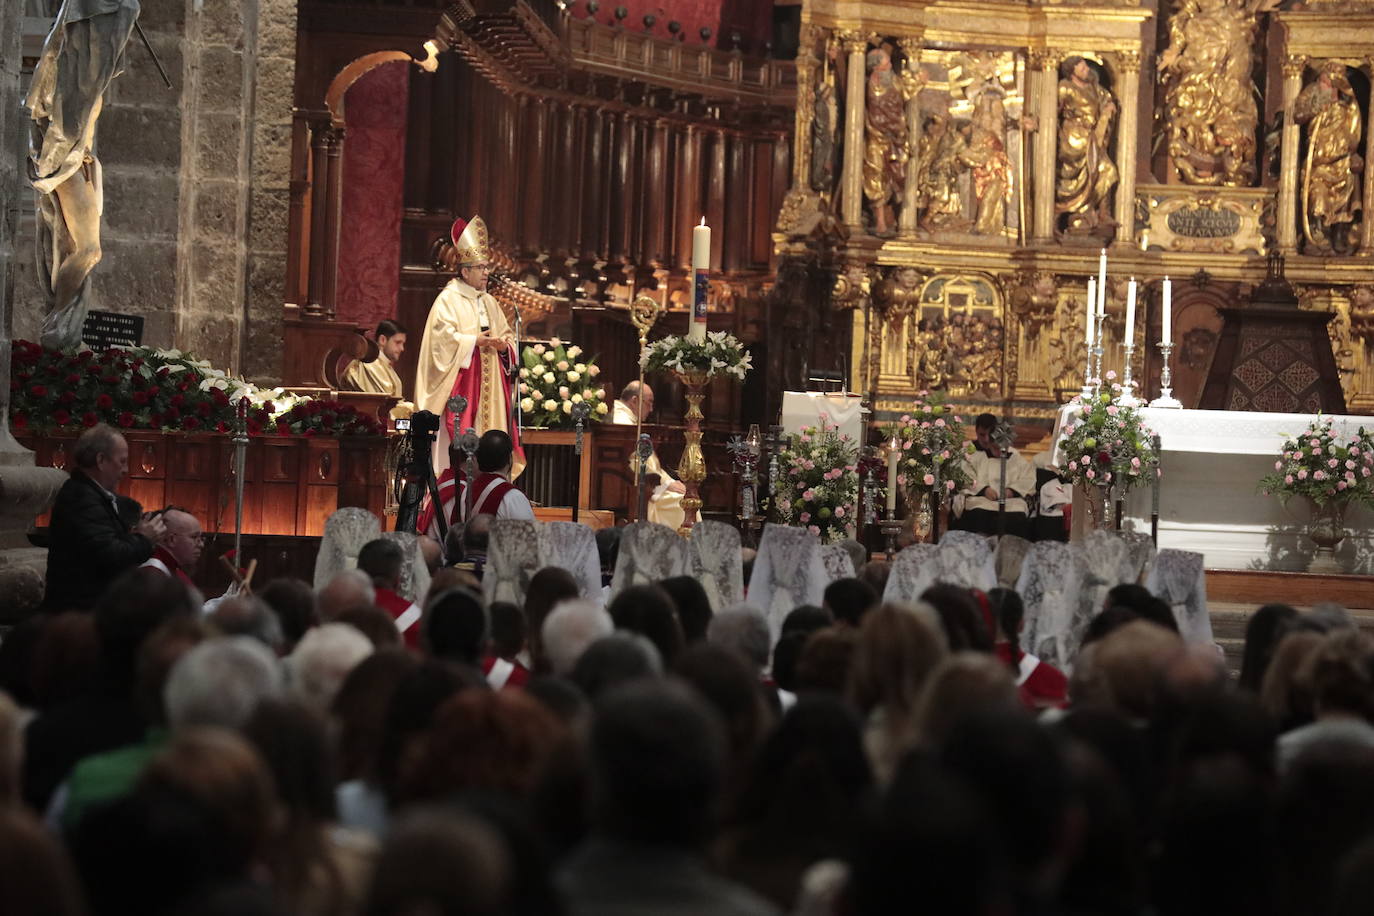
(1166, 392)
(1128, 398)
(1094, 382)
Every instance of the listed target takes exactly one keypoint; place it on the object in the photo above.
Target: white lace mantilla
(648, 552)
(713, 551)
(345, 533)
(788, 571)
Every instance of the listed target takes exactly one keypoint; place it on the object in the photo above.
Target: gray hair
(323, 659)
(246, 615)
(220, 682)
(744, 629)
(99, 440)
(570, 628)
(348, 588)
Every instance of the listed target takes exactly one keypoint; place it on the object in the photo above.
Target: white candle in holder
(1102, 283)
(1092, 311)
(701, 271)
(1130, 313)
(893, 449)
(1166, 334)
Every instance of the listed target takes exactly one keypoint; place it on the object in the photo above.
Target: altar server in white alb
(985, 469)
(665, 503)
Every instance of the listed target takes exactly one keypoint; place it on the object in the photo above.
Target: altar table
(1212, 461)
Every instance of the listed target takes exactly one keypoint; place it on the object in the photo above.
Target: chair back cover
(1140, 554)
(512, 560)
(345, 533)
(788, 571)
(1178, 578)
(1049, 585)
(1008, 558)
(914, 569)
(715, 562)
(648, 552)
(966, 560)
(572, 546)
(838, 563)
(414, 573)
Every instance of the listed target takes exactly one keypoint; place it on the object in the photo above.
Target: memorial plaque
(103, 330)
(1214, 220)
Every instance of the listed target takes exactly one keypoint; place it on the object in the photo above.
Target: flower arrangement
(719, 354)
(1324, 467)
(819, 482)
(931, 429)
(148, 388)
(552, 381)
(1107, 445)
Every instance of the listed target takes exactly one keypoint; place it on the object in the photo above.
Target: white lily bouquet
(719, 354)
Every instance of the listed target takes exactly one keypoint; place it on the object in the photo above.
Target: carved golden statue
(824, 124)
(1330, 188)
(1210, 99)
(885, 138)
(991, 180)
(944, 157)
(1086, 173)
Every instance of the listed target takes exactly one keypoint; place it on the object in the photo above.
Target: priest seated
(379, 376)
(665, 503)
(980, 497)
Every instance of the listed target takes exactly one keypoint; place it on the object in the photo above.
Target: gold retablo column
(1045, 62)
(1367, 226)
(906, 220)
(806, 101)
(852, 182)
(1287, 232)
(1128, 93)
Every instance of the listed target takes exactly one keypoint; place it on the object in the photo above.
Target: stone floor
(1229, 622)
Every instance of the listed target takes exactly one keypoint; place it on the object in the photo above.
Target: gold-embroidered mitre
(470, 241)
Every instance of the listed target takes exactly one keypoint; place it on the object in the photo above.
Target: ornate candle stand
(691, 470)
(1128, 398)
(746, 454)
(1096, 380)
(1166, 392)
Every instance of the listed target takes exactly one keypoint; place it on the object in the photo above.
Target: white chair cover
(715, 562)
(572, 546)
(1008, 559)
(414, 573)
(345, 533)
(648, 552)
(1140, 554)
(1049, 585)
(512, 559)
(838, 563)
(1178, 578)
(1106, 564)
(788, 571)
(914, 569)
(966, 560)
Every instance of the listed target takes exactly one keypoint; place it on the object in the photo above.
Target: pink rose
(949, 485)
(940, 423)
(1340, 485)
(1091, 474)
(1135, 462)
(813, 529)
(1302, 474)
(1288, 479)
(1112, 410)
(925, 424)
(809, 495)
(1354, 451)
(839, 511)
(1350, 464)
(906, 418)
(1364, 472)
(1332, 463)
(804, 517)
(1111, 374)
(958, 419)
(1318, 475)
(805, 438)
(901, 480)
(1278, 465)
(929, 480)
(1315, 443)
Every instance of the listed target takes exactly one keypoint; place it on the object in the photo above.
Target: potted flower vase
(1326, 529)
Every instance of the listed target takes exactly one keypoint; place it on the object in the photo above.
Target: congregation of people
(421, 730)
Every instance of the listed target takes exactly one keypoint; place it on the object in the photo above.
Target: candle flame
(703, 221)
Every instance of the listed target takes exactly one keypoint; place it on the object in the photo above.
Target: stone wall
(194, 234)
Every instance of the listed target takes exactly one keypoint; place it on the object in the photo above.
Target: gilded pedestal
(692, 469)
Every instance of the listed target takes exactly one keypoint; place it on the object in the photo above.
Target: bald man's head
(184, 539)
(639, 398)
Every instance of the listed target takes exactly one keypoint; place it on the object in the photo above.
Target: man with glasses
(468, 347)
(180, 547)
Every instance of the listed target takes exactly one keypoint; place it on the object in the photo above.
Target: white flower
(549, 356)
(555, 342)
(601, 392)
(593, 371)
(537, 395)
(574, 376)
(561, 365)
(524, 389)
(601, 408)
(527, 405)
(567, 406)
(550, 405)
(548, 378)
(577, 399)
(538, 349)
(588, 394)
(524, 373)
(574, 352)
(581, 367)
(563, 392)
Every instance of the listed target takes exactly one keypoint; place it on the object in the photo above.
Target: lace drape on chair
(1049, 587)
(1140, 554)
(966, 560)
(648, 552)
(572, 546)
(1178, 578)
(788, 572)
(1106, 564)
(512, 559)
(1008, 558)
(345, 533)
(914, 569)
(838, 563)
(414, 573)
(714, 560)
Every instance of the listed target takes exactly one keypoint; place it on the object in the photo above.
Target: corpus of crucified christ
(724, 456)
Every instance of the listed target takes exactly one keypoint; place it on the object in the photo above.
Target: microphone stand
(580, 410)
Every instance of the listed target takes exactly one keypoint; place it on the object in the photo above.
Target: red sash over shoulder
(486, 493)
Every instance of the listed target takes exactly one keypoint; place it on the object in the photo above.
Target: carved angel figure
(1210, 97)
(886, 148)
(1330, 198)
(1086, 172)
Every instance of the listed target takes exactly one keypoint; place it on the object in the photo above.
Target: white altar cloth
(1212, 461)
(801, 409)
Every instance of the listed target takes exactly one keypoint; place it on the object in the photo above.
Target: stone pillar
(1127, 128)
(806, 106)
(852, 176)
(906, 220)
(1045, 63)
(1367, 226)
(1287, 229)
(25, 490)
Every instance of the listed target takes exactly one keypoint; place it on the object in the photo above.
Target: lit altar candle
(1092, 311)
(1130, 313)
(701, 272)
(1102, 283)
(1166, 334)
(893, 449)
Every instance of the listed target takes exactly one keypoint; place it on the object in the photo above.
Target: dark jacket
(88, 546)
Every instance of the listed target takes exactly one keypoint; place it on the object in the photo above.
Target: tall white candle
(1130, 313)
(1092, 311)
(1102, 283)
(701, 271)
(893, 450)
(1166, 334)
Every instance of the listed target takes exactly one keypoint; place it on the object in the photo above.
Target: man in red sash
(491, 492)
(382, 559)
(179, 550)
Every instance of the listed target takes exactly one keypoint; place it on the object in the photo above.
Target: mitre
(470, 241)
